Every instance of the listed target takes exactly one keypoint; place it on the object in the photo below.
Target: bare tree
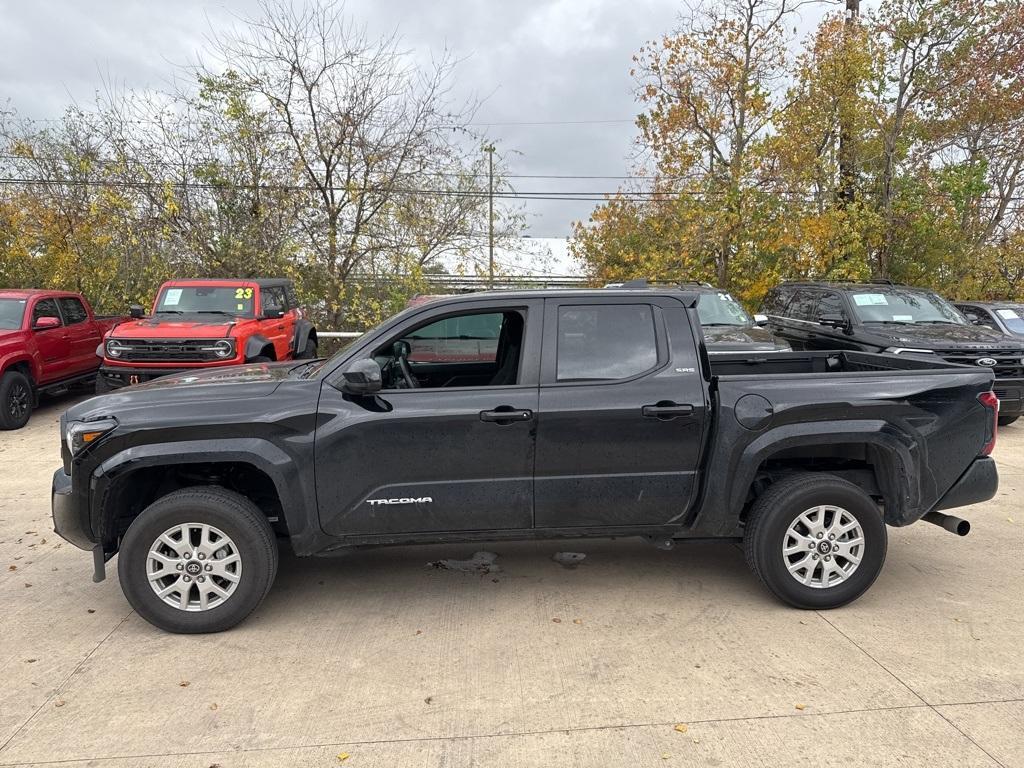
(365, 127)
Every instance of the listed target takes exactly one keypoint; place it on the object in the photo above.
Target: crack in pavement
(62, 683)
(919, 697)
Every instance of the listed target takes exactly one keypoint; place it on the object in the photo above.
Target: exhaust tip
(956, 525)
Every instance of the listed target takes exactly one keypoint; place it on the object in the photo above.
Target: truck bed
(819, 362)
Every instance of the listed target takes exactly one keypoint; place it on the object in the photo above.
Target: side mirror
(760, 319)
(834, 321)
(45, 323)
(136, 312)
(362, 378)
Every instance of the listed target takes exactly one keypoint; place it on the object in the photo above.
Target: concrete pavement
(378, 657)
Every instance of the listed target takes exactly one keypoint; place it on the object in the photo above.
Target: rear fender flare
(897, 460)
(303, 331)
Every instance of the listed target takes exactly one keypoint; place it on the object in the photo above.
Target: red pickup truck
(48, 342)
(207, 323)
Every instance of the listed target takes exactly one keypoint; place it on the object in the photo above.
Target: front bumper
(123, 376)
(68, 520)
(1011, 396)
(979, 483)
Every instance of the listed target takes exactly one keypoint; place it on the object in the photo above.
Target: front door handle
(506, 414)
(666, 410)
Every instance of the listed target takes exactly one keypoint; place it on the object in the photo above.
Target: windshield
(1013, 317)
(721, 309)
(204, 299)
(11, 312)
(894, 305)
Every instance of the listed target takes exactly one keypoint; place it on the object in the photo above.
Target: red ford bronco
(199, 324)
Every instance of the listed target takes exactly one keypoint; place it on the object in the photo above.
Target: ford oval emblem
(987, 361)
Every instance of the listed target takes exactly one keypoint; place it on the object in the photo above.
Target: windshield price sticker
(1007, 314)
(870, 299)
(172, 297)
(903, 318)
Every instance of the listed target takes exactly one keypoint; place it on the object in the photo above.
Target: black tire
(238, 518)
(780, 506)
(1005, 421)
(16, 400)
(102, 387)
(309, 353)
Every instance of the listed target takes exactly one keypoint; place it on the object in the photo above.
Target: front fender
(255, 345)
(14, 358)
(298, 504)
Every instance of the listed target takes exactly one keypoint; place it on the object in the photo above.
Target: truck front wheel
(815, 540)
(15, 400)
(198, 560)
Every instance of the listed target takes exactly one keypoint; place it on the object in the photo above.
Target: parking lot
(636, 657)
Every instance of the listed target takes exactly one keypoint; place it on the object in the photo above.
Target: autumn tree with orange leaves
(740, 143)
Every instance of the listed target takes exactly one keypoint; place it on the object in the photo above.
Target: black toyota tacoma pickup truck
(598, 413)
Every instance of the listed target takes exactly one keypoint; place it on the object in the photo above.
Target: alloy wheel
(823, 546)
(194, 567)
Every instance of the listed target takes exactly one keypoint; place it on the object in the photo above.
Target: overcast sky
(537, 62)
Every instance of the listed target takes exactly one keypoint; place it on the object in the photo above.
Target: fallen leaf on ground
(90, 610)
(343, 757)
(419, 631)
(59, 703)
(27, 584)
(429, 700)
(557, 621)
(801, 706)
(12, 568)
(213, 707)
(184, 683)
(31, 661)
(577, 621)
(665, 755)
(682, 727)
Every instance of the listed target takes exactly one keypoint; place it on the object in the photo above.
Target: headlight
(224, 348)
(114, 348)
(79, 434)
(908, 351)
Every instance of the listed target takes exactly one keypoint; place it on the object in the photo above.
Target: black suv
(726, 325)
(899, 319)
(1005, 316)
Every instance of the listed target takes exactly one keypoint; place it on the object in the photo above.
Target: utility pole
(489, 149)
(847, 154)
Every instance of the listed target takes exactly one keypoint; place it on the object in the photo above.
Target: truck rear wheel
(815, 540)
(15, 400)
(198, 560)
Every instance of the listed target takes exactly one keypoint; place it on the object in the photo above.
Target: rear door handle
(506, 414)
(666, 410)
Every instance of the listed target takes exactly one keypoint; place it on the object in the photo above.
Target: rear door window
(73, 310)
(602, 342)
